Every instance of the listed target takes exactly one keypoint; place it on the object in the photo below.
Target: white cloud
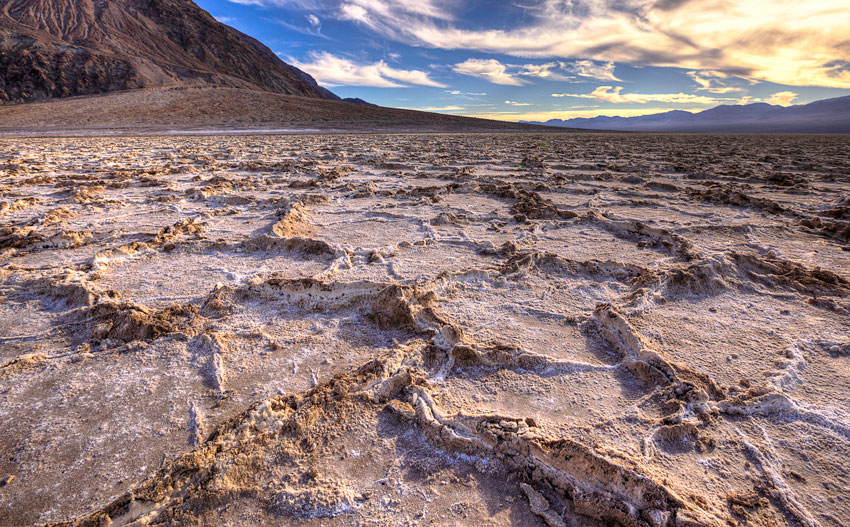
(225, 19)
(587, 68)
(384, 15)
(467, 93)
(782, 41)
(313, 20)
(559, 70)
(514, 103)
(783, 98)
(490, 69)
(332, 70)
(544, 71)
(437, 108)
(426, 8)
(510, 74)
(712, 81)
(355, 12)
(616, 95)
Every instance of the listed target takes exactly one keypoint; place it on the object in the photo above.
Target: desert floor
(472, 329)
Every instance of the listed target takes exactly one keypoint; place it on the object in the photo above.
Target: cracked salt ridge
(511, 445)
(652, 437)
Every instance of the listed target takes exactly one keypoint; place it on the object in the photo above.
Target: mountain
(357, 100)
(64, 48)
(139, 66)
(826, 116)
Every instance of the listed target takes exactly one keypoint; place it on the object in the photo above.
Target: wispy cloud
(712, 81)
(314, 31)
(517, 74)
(514, 103)
(550, 71)
(436, 108)
(565, 114)
(782, 41)
(587, 68)
(489, 69)
(331, 70)
(616, 95)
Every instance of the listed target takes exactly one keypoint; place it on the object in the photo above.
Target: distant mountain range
(63, 48)
(826, 116)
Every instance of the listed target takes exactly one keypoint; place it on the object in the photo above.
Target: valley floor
(412, 329)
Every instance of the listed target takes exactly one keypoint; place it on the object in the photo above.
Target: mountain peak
(61, 48)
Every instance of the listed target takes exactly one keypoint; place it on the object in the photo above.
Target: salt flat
(425, 329)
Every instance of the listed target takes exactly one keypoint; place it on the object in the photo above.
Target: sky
(558, 59)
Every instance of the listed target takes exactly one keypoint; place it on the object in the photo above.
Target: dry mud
(561, 330)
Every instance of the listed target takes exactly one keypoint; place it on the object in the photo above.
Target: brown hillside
(62, 48)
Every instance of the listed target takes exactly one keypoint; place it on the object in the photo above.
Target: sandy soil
(558, 329)
(200, 108)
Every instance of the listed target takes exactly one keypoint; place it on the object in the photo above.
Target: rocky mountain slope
(62, 48)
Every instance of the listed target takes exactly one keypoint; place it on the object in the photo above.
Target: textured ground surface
(163, 111)
(555, 330)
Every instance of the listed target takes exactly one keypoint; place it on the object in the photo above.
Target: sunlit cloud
(488, 69)
(548, 71)
(514, 103)
(587, 68)
(331, 70)
(356, 13)
(783, 98)
(566, 114)
(511, 74)
(782, 41)
(615, 95)
(568, 71)
(712, 81)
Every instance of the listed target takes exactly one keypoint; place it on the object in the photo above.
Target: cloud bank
(616, 95)
(782, 41)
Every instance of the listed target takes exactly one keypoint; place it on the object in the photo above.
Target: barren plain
(432, 329)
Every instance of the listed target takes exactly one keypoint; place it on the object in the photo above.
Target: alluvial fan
(432, 329)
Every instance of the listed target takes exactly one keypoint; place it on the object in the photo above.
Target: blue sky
(544, 59)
